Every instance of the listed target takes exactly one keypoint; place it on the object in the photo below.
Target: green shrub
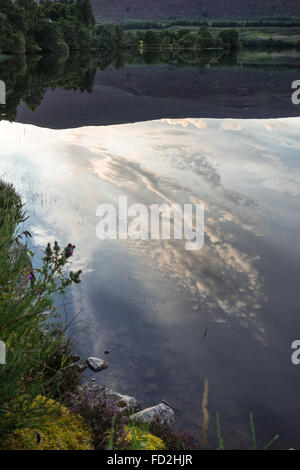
(230, 37)
(27, 313)
(141, 439)
(10, 202)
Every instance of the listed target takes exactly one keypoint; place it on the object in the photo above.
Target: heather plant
(27, 297)
(114, 430)
(173, 440)
(103, 415)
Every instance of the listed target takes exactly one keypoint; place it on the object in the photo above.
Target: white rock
(161, 412)
(96, 364)
(123, 402)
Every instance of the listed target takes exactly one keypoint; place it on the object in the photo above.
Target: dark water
(87, 90)
(173, 318)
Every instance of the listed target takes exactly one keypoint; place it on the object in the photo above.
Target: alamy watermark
(154, 222)
(296, 94)
(2, 352)
(2, 93)
(295, 358)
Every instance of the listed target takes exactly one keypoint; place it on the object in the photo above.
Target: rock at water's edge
(161, 412)
(96, 364)
(125, 403)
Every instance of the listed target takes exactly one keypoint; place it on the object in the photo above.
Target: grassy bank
(263, 34)
(42, 405)
(243, 23)
(38, 351)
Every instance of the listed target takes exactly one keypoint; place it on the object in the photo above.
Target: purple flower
(69, 250)
(98, 409)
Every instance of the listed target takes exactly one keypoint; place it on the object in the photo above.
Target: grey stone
(125, 403)
(96, 364)
(160, 412)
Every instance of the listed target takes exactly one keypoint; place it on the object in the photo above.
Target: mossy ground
(61, 430)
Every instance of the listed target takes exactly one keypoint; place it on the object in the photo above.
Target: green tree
(50, 38)
(55, 11)
(151, 39)
(73, 13)
(19, 43)
(84, 6)
(205, 39)
(14, 13)
(70, 33)
(130, 40)
(6, 32)
(187, 41)
(118, 36)
(231, 38)
(105, 36)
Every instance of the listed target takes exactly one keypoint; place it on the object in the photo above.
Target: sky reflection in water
(150, 303)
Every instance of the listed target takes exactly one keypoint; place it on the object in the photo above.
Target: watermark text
(2, 93)
(296, 94)
(155, 222)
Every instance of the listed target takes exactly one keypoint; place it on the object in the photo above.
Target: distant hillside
(125, 10)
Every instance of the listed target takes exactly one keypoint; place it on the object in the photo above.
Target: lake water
(172, 318)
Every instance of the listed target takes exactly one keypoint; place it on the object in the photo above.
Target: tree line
(27, 27)
(30, 27)
(286, 21)
(185, 39)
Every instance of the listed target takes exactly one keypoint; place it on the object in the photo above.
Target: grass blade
(271, 442)
(112, 433)
(220, 440)
(253, 431)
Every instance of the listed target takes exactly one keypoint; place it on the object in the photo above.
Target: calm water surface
(172, 318)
